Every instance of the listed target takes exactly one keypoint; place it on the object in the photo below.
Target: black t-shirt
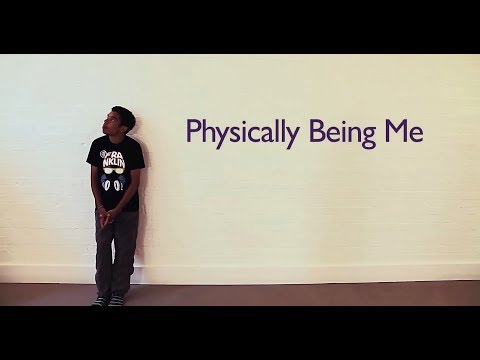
(114, 163)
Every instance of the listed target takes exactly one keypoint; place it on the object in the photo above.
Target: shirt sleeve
(93, 155)
(138, 161)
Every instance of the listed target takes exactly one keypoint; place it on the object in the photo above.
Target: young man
(116, 160)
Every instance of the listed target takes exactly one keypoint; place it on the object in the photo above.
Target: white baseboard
(235, 275)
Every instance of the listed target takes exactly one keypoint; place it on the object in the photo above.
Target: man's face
(112, 125)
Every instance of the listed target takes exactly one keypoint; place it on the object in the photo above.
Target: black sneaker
(117, 300)
(101, 301)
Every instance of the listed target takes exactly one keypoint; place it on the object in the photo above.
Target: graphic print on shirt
(113, 167)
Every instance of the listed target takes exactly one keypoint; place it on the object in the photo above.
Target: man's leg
(103, 276)
(125, 238)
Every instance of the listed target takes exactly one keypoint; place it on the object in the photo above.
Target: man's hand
(111, 216)
(103, 217)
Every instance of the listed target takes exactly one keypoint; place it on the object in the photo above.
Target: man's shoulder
(100, 140)
(132, 141)
(97, 146)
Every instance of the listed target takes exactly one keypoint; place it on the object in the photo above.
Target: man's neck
(116, 139)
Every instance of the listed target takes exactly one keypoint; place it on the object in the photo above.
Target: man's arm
(135, 177)
(95, 186)
(98, 198)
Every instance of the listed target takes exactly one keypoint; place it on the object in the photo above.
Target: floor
(437, 293)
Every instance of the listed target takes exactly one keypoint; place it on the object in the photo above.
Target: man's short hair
(126, 117)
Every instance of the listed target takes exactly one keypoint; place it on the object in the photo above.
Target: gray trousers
(114, 278)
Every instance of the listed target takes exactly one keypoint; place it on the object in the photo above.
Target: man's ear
(124, 129)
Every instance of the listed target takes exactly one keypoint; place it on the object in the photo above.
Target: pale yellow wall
(249, 212)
